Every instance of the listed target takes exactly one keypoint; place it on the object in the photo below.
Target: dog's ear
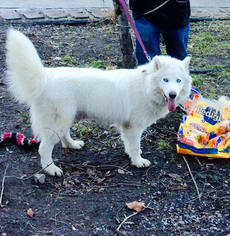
(156, 63)
(186, 62)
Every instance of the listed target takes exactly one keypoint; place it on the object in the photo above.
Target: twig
(41, 231)
(126, 218)
(62, 222)
(54, 132)
(119, 184)
(190, 172)
(102, 166)
(148, 207)
(3, 183)
(198, 161)
(30, 176)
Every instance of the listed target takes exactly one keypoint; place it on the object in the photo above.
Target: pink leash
(130, 19)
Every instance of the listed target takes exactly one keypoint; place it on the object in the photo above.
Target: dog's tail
(25, 74)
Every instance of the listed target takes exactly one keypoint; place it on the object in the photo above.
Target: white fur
(130, 99)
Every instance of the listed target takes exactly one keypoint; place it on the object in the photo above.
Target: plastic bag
(205, 130)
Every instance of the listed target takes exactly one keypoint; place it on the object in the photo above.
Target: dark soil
(90, 198)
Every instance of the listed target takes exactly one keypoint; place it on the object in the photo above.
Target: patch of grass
(69, 60)
(209, 47)
(97, 64)
(110, 31)
(82, 128)
(197, 81)
(208, 38)
(163, 145)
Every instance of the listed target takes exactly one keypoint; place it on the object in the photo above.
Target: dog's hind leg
(48, 140)
(45, 151)
(131, 138)
(68, 142)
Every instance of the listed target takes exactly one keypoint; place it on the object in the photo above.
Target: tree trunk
(129, 60)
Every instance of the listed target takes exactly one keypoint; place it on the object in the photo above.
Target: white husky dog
(130, 99)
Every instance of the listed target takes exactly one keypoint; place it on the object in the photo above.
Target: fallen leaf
(176, 177)
(120, 171)
(136, 206)
(104, 152)
(99, 180)
(114, 145)
(39, 178)
(67, 185)
(57, 59)
(30, 213)
(107, 173)
(90, 172)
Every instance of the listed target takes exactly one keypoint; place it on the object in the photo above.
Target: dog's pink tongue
(171, 104)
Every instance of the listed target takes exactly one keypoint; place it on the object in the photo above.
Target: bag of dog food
(205, 130)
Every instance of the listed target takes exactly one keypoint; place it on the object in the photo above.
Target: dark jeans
(176, 41)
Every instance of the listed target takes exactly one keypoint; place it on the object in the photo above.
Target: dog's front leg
(131, 138)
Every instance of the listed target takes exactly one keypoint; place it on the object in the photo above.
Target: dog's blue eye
(178, 81)
(165, 80)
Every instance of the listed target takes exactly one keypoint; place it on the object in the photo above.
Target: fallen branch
(198, 161)
(40, 231)
(30, 176)
(126, 218)
(190, 172)
(3, 185)
(135, 213)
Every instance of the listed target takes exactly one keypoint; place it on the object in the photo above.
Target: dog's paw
(74, 144)
(78, 144)
(53, 170)
(142, 162)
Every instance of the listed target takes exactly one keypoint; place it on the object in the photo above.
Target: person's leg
(150, 36)
(176, 42)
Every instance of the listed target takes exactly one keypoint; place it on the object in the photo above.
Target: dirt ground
(90, 198)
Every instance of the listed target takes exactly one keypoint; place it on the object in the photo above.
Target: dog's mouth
(171, 101)
(171, 104)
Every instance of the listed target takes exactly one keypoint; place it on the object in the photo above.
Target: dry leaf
(30, 213)
(90, 172)
(176, 177)
(120, 171)
(99, 180)
(104, 152)
(136, 206)
(107, 173)
(39, 178)
(67, 184)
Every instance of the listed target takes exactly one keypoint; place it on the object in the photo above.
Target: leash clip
(149, 58)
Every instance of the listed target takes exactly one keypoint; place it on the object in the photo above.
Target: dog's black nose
(172, 95)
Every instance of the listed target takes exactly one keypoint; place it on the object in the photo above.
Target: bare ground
(90, 198)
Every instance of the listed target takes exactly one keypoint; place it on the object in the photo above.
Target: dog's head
(168, 80)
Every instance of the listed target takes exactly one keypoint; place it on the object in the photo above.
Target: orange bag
(205, 130)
